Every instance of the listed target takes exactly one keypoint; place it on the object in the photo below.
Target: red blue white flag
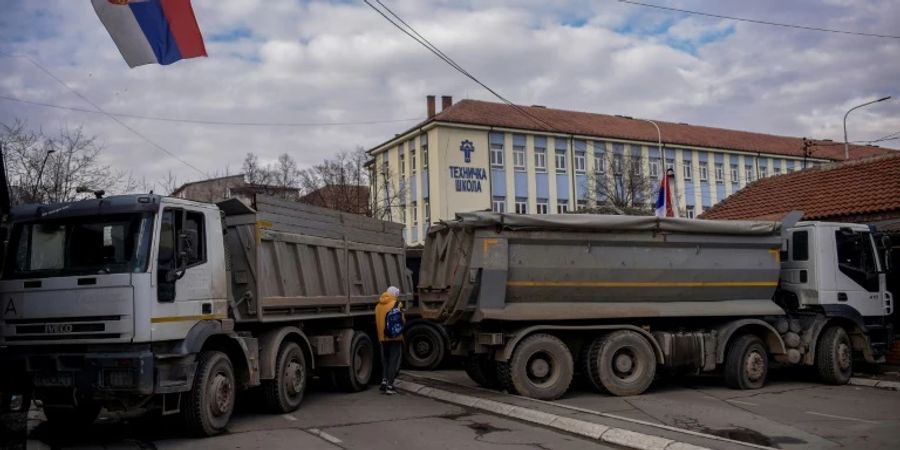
(152, 31)
(664, 199)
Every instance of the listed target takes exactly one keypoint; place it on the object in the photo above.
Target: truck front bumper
(91, 373)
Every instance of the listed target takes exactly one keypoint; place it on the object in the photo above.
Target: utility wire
(761, 22)
(112, 117)
(412, 33)
(205, 122)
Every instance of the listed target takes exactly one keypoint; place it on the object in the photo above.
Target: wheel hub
(222, 391)
(422, 347)
(843, 356)
(754, 366)
(540, 368)
(293, 377)
(624, 363)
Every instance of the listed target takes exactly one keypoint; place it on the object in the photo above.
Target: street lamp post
(846, 143)
(41, 174)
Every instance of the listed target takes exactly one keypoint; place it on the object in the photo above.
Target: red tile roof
(851, 188)
(538, 118)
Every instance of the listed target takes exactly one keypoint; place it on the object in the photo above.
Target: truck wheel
(834, 356)
(424, 347)
(504, 378)
(76, 419)
(207, 407)
(285, 393)
(482, 371)
(355, 377)
(747, 363)
(622, 363)
(541, 367)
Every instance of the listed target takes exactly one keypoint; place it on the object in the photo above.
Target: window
(670, 165)
(415, 214)
(412, 160)
(790, 169)
(497, 155)
(748, 173)
(734, 174)
(688, 170)
(636, 165)
(654, 168)
(521, 207)
(542, 207)
(856, 258)
(580, 163)
(403, 214)
(560, 162)
(519, 157)
(800, 243)
(424, 157)
(763, 172)
(540, 159)
(562, 206)
(427, 212)
(617, 164)
(690, 211)
(580, 205)
(720, 174)
(599, 163)
(704, 172)
(498, 205)
(777, 170)
(402, 164)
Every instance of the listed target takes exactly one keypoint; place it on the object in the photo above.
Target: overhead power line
(112, 117)
(204, 122)
(760, 22)
(412, 33)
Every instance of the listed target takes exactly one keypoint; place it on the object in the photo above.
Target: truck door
(183, 274)
(857, 279)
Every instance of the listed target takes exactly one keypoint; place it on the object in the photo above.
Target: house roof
(851, 188)
(539, 118)
(207, 180)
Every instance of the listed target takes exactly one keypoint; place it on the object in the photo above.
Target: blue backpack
(393, 322)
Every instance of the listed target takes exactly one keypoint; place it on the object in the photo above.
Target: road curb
(878, 384)
(583, 428)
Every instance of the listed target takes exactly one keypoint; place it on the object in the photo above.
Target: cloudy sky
(276, 61)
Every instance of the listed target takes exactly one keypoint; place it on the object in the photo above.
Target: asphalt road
(326, 420)
(791, 412)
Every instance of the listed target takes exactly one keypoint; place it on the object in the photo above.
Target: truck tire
(622, 363)
(72, 420)
(207, 407)
(424, 347)
(284, 393)
(504, 378)
(747, 363)
(541, 367)
(356, 376)
(834, 356)
(482, 371)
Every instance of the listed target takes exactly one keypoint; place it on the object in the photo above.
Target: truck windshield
(116, 243)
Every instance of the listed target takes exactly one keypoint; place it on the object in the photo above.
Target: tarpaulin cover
(597, 222)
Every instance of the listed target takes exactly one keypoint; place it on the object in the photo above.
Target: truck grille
(61, 328)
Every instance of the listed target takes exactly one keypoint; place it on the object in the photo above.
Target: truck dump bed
(507, 267)
(291, 261)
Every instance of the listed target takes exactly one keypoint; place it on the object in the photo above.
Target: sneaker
(384, 385)
(389, 390)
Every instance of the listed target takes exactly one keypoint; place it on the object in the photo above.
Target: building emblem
(467, 147)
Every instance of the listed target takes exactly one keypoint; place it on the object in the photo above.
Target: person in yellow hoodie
(391, 347)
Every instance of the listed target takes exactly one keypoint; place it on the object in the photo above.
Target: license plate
(53, 380)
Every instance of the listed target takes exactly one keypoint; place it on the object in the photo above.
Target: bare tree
(284, 172)
(620, 185)
(50, 168)
(340, 183)
(253, 172)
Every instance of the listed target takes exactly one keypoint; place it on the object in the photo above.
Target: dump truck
(531, 300)
(145, 302)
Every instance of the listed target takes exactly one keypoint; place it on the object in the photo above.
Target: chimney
(430, 101)
(446, 101)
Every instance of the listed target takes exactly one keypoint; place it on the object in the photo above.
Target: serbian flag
(152, 31)
(664, 199)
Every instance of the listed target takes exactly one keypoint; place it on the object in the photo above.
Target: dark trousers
(391, 352)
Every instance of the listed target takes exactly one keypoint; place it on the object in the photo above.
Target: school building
(477, 155)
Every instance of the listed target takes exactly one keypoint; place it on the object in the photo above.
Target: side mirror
(187, 247)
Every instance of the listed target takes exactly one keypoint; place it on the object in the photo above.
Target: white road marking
(832, 416)
(289, 417)
(325, 436)
(742, 403)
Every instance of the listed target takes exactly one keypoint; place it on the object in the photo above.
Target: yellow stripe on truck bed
(637, 284)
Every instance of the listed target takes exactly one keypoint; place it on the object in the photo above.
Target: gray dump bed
(290, 261)
(507, 267)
